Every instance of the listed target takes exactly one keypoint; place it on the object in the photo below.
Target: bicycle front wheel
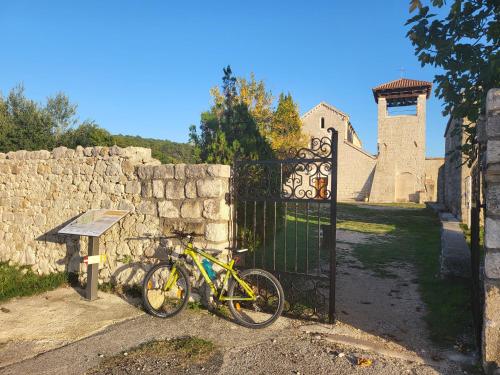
(166, 290)
(267, 305)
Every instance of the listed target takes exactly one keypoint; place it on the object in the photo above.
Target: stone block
(59, 152)
(491, 328)
(88, 151)
(174, 189)
(113, 169)
(190, 189)
(146, 208)
(133, 187)
(126, 205)
(146, 189)
(493, 152)
(216, 232)
(162, 172)
(493, 100)
(493, 199)
(158, 189)
(492, 233)
(180, 171)
(128, 167)
(216, 209)
(219, 170)
(492, 265)
(145, 172)
(191, 209)
(168, 210)
(43, 154)
(195, 170)
(209, 188)
(137, 154)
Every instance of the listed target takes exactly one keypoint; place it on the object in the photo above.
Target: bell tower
(400, 169)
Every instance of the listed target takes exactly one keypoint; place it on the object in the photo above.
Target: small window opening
(322, 122)
(407, 110)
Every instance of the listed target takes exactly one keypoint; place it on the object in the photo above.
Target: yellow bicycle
(254, 296)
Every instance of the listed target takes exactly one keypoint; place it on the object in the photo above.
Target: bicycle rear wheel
(267, 306)
(166, 290)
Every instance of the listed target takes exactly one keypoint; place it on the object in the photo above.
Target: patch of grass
(364, 227)
(193, 348)
(22, 281)
(416, 239)
(182, 350)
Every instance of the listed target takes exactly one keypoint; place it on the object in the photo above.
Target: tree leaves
(465, 45)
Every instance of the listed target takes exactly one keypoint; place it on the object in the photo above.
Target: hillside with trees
(28, 125)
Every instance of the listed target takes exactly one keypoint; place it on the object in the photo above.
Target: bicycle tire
(186, 292)
(234, 309)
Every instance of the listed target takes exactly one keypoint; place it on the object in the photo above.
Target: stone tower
(400, 169)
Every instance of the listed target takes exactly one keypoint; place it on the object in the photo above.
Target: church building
(400, 172)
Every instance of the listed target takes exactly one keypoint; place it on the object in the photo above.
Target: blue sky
(146, 67)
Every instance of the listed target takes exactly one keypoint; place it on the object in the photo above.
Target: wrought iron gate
(284, 211)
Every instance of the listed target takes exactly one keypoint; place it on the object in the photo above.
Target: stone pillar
(491, 326)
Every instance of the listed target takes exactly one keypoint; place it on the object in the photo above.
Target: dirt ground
(380, 330)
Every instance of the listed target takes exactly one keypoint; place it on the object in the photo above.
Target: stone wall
(355, 172)
(457, 175)
(434, 180)
(489, 135)
(41, 191)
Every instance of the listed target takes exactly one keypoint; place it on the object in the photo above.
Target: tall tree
(62, 112)
(465, 44)
(286, 129)
(26, 125)
(255, 96)
(228, 131)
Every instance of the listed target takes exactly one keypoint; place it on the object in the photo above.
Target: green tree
(465, 45)
(62, 112)
(25, 125)
(86, 134)
(255, 96)
(228, 131)
(285, 132)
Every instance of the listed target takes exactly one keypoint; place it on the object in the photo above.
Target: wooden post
(92, 270)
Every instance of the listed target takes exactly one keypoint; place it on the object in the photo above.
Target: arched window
(322, 122)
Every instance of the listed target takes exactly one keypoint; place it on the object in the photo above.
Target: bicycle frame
(193, 252)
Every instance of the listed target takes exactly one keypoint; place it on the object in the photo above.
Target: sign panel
(93, 222)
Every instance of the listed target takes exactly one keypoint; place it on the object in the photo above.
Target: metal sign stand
(93, 224)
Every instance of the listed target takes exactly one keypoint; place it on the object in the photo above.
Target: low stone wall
(490, 136)
(41, 191)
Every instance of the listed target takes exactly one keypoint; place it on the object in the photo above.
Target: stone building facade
(400, 172)
(41, 191)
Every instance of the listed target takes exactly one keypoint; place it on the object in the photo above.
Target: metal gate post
(333, 227)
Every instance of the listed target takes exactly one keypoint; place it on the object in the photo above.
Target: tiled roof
(402, 83)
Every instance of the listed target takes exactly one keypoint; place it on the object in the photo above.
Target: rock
(168, 210)
(174, 189)
(162, 172)
(216, 232)
(191, 209)
(158, 189)
(209, 188)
